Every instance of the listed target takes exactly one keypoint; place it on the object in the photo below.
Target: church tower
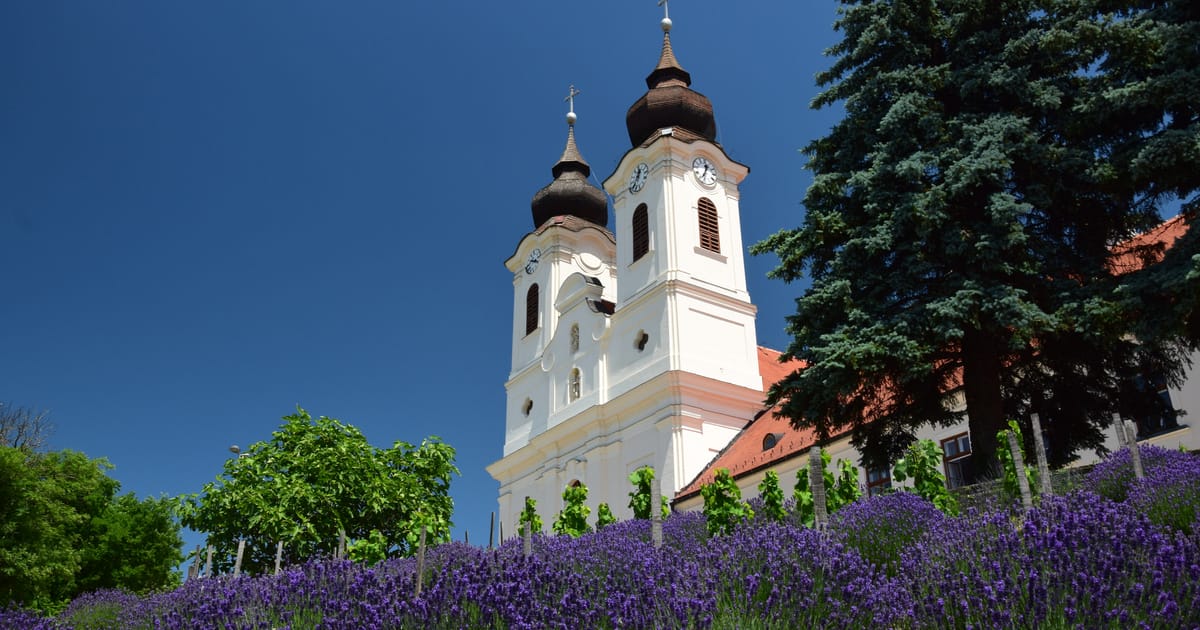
(639, 348)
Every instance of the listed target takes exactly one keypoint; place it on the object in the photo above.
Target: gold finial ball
(571, 117)
(666, 24)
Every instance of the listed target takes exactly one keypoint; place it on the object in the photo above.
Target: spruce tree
(959, 232)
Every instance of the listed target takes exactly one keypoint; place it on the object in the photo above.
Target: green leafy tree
(604, 516)
(723, 505)
(572, 520)
(922, 463)
(639, 498)
(959, 229)
(370, 550)
(314, 479)
(529, 518)
(772, 496)
(1012, 487)
(64, 530)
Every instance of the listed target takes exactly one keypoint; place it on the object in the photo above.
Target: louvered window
(531, 309)
(710, 233)
(641, 232)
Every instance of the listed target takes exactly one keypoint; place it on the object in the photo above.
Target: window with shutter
(531, 309)
(710, 233)
(641, 232)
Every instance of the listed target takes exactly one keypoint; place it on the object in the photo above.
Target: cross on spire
(571, 94)
(663, 4)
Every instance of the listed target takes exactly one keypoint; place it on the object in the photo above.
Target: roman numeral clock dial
(637, 179)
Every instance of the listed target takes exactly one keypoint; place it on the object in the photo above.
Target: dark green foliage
(316, 478)
(572, 520)
(959, 230)
(922, 463)
(64, 531)
(723, 505)
(772, 496)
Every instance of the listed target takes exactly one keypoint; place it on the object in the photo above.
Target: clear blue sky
(211, 212)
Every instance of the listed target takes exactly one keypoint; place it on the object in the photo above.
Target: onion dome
(570, 193)
(669, 101)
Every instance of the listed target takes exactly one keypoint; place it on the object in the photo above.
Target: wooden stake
(208, 563)
(1134, 452)
(656, 534)
(194, 571)
(1039, 450)
(237, 565)
(816, 481)
(491, 529)
(420, 562)
(1119, 425)
(1019, 467)
(278, 556)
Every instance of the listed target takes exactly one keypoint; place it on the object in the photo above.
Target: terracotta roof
(1136, 253)
(745, 452)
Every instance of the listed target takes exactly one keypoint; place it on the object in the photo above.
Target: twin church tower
(636, 348)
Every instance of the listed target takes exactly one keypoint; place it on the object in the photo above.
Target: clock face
(704, 170)
(534, 257)
(637, 179)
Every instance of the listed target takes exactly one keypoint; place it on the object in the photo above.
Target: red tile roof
(1132, 255)
(745, 452)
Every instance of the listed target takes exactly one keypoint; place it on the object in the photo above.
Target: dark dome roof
(570, 193)
(670, 102)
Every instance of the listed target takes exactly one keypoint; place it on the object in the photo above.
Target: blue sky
(211, 212)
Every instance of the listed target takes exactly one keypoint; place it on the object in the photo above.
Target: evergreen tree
(959, 232)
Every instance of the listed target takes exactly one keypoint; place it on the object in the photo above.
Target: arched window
(527, 407)
(574, 385)
(641, 232)
(710, 233)
(531, 309)
(574, 337)
(642, 339)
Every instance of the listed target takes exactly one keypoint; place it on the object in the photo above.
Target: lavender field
(1114, 553)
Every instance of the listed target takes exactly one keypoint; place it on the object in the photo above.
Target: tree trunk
(982, 365)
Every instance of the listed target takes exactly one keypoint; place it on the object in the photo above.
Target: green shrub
(922, 463)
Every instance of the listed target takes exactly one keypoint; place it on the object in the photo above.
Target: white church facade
(638, 348)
